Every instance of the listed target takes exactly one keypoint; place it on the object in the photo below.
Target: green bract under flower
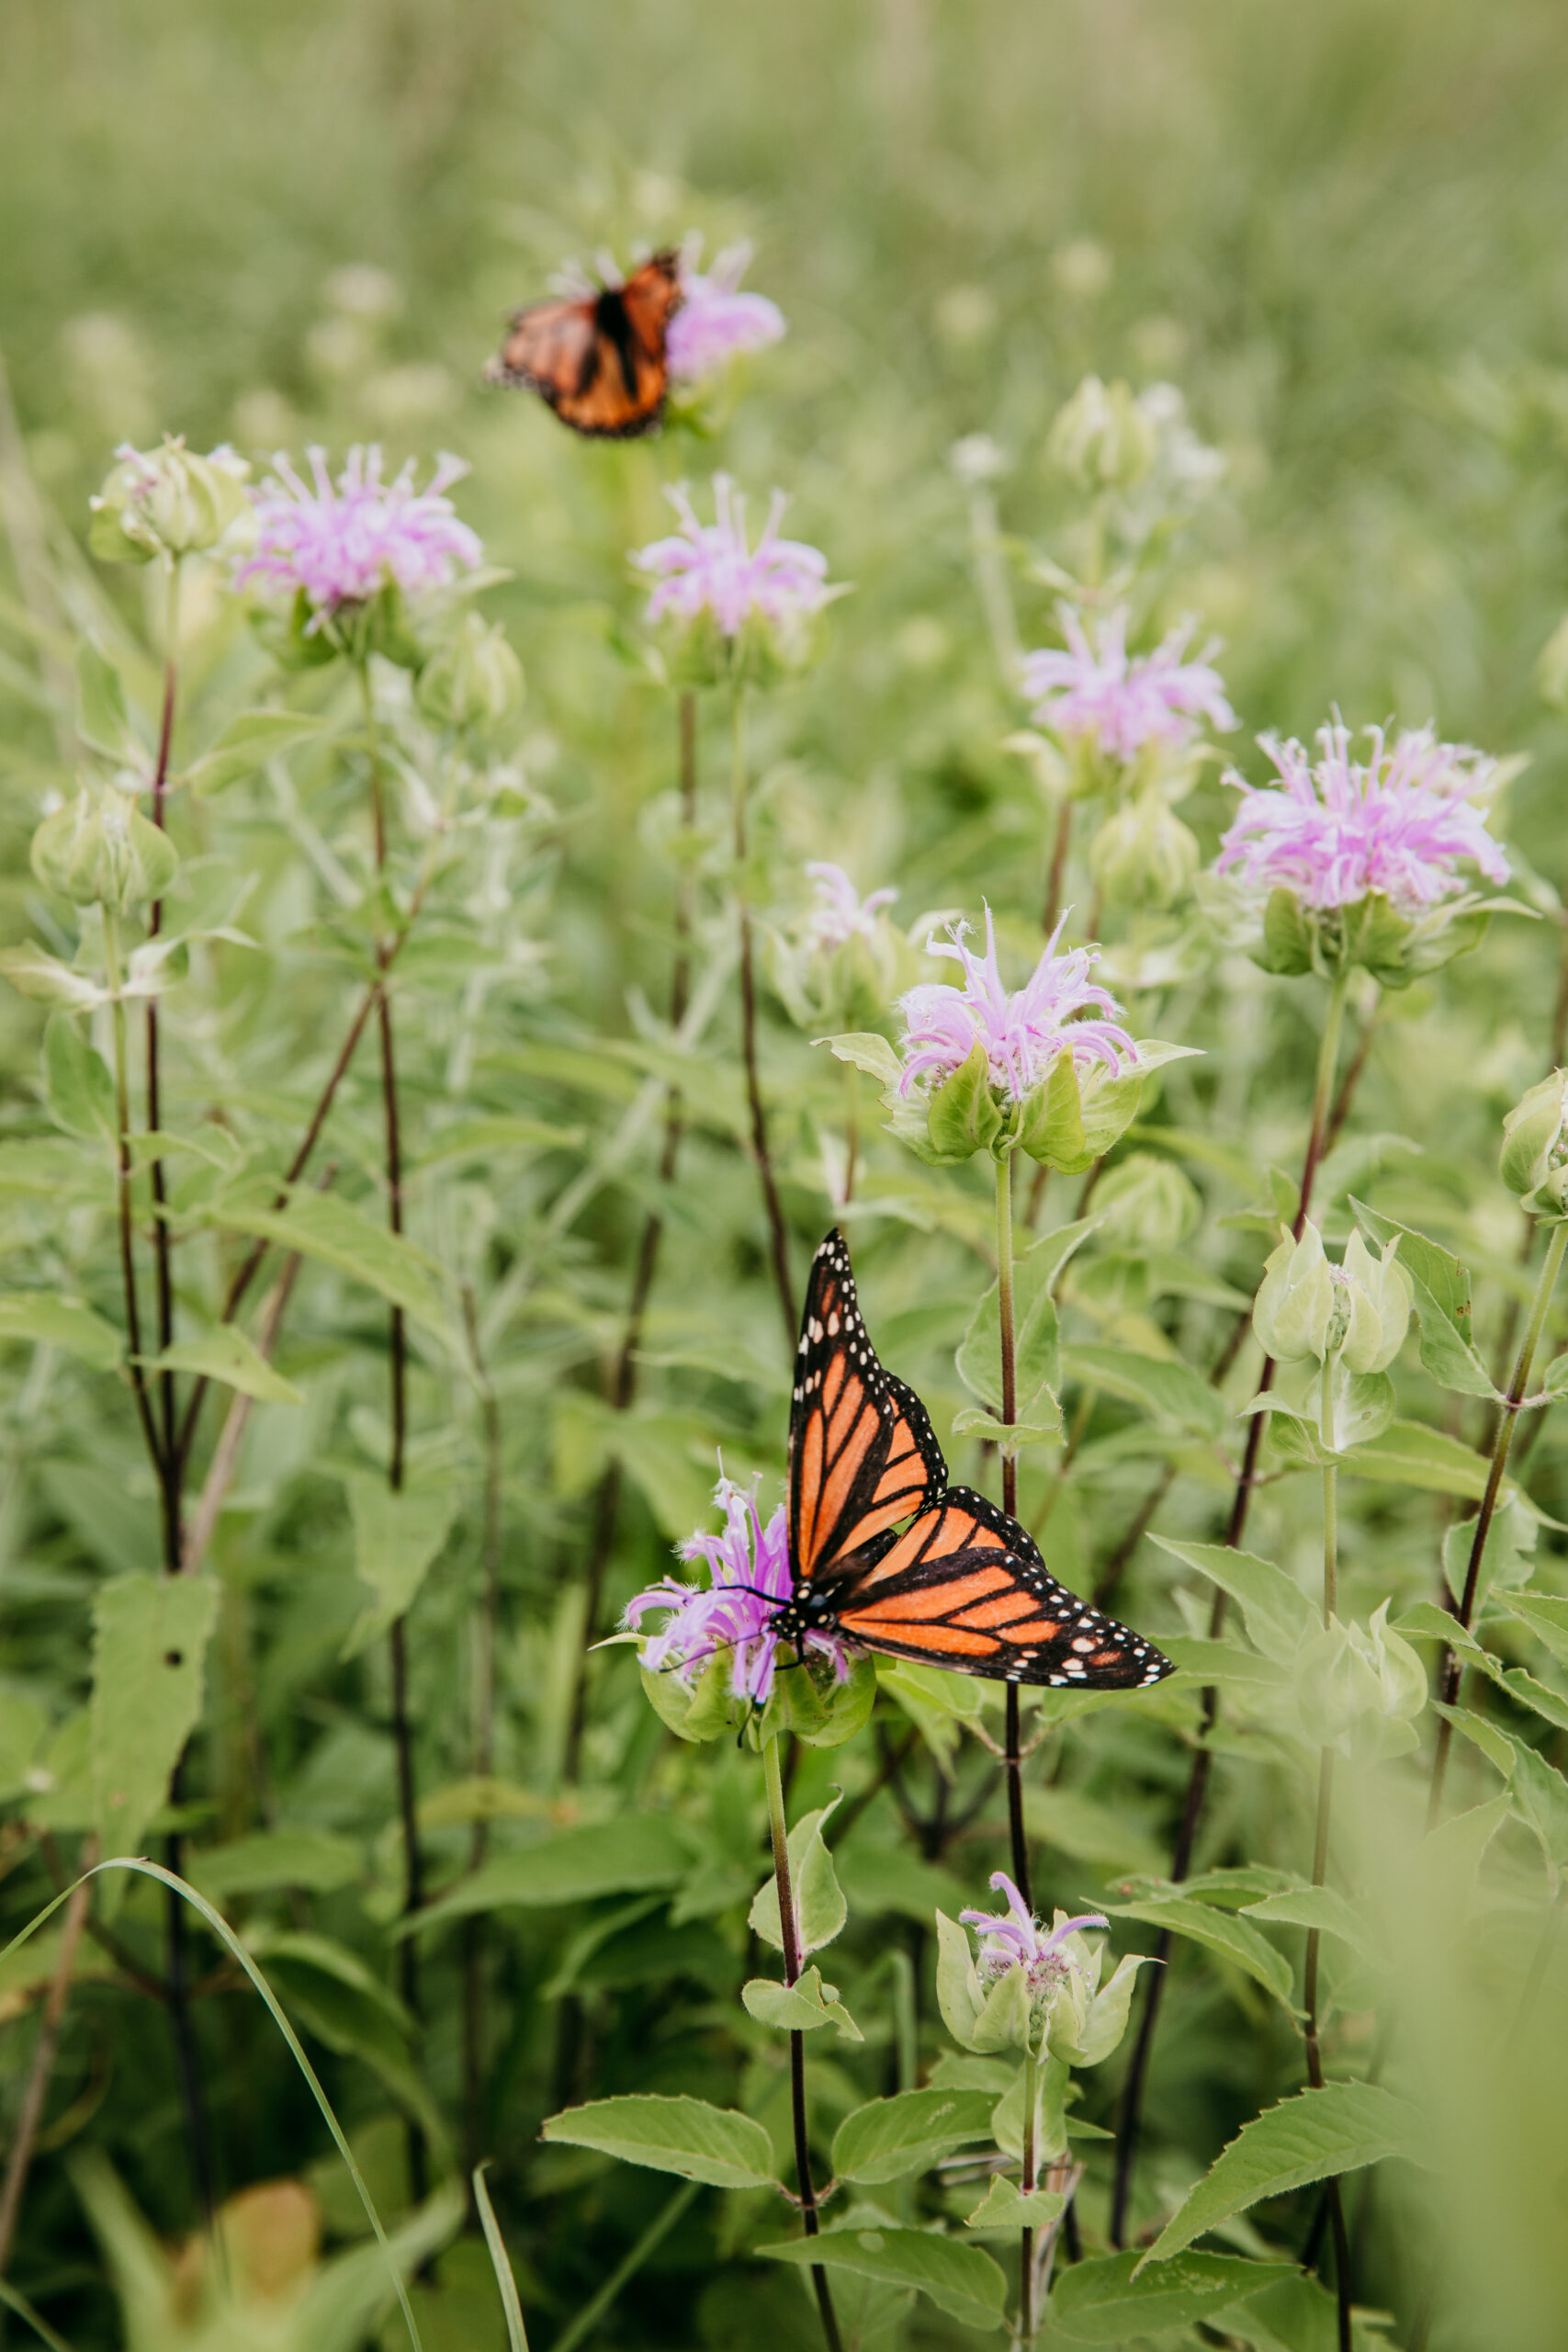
(1534, 1162)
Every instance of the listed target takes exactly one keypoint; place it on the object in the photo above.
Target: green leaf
(977, 1421)
(800, 2008)
(1540, 1800)
(1035, 1351)
(890, 2138)
(1161, 1385)
(250, 739)
(1410, 1454)
(962, 2280)
(32, 971)
(228, 1354)
(624, 1856)
(319, 1861)
(1543, 1700)
(1090, 1832)
(320, 1225)
(1317, 2135)
(50, 1321)
(1051, 1131)
(1006, 2206)
(1544, 1614)
(819, 1904)
(149, 1636)
(687, 2136)
(1279, 1617)
(1323, 1907)
(1234, 1939)
(396, 1537)
(78, 1089)
(102, 720)
(1286, 946)
(1437, 1269)
(864, 1049)
(961, 1117)
(505, 2278)
(1102, 2302)
(809, 1701)
(494, 1138)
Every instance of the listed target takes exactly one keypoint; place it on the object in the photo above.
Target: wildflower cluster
(739, 610)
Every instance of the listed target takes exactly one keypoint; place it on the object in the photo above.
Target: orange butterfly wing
(599, 362)
(964, 1586)
(959, 1585)
(863, 1454)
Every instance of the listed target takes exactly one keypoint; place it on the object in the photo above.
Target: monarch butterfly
(598, 359)
(886, 1554)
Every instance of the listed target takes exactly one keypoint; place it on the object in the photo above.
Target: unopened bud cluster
(1534, 1163)
(171, 502)
(1357, 1313)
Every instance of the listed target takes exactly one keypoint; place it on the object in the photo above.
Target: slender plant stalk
(581, 2325)
(160, 1244)
(623, 1381)
(161, 1467)
(1131, 2118)
(236, 1420)
(1319, 1877)
(1027, 2320)
(1012, 1761)
(402, 1726)
(1507, 1421)
(20, 2158)
(1056, 873)
(487, 1619)
(778, 1241)
(790, 1933)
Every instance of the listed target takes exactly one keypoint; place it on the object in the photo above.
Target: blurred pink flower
(750, 1582)
(340, 543)
(1023, 1033)
(708, 568)
(1095, 689)
(841, 914)
(1013, 1938)
(1335, 830)
(717, 320)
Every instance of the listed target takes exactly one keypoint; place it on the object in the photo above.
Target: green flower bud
(1534, 1162)
(1147, 1203)
(101, 851)
(1143, 854)
(1356, 1314)
(167, 502)
(1359, 1687)
(475, 681)
(1103, 438)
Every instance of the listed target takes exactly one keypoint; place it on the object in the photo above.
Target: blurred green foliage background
(1338, 229)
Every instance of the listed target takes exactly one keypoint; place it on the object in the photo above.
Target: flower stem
(1322, 1108)
(1058, 867)
(777, 1238)
(1012, 1763)
(402, 1726)
(1026, 2316)
(1319, 1876)
(162, 1469)
(789, 1927)
(1507, 1421)
(487, 1620)
(161, 1249)
(622, 1380)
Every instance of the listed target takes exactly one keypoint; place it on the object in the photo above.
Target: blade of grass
(593, 2310)
(516, 2334)
(23, 2310)
(227, 1937)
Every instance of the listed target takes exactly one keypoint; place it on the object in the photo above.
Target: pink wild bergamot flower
(749, 1583)
(1095, 690)
(1335, 830)
(339, 543)
(1024, 1032)
(1014, 1939)
(708, 571)
(841, 914)
(716, 319)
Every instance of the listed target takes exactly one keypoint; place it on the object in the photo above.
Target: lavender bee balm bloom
(739, 607)
(1096, 692)
(749, 1583)
(341, 543)
(717, 321)
(1024, 1032)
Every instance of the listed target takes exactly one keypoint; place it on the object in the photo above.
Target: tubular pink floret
(717, 321)
(709, 568)
(341, 543)
(1024, 1032)
(1095, 689)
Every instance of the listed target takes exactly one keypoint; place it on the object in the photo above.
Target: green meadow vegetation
(428, 1068)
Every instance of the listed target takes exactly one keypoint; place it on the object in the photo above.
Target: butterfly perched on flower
(599, 358)
(886, 1555)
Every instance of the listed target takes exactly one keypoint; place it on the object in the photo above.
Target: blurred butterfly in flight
(885, 1553)
(598, 358)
